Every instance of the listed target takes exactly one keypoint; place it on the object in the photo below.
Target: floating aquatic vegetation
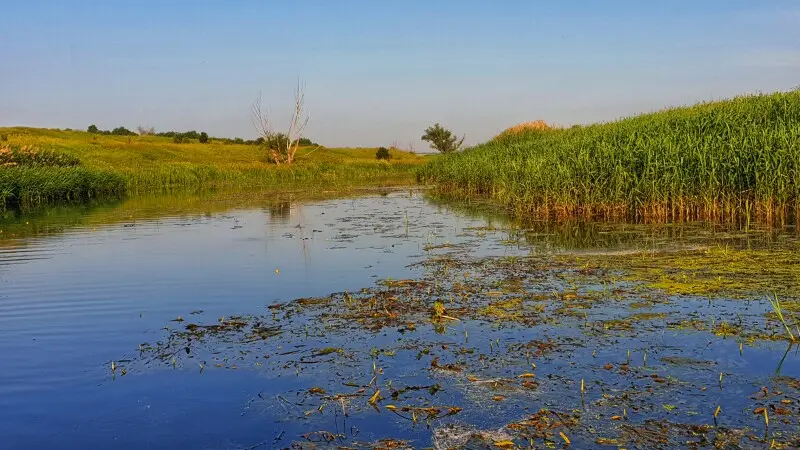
(459, 357)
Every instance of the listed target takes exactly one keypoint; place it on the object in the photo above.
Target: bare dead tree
(282, 147)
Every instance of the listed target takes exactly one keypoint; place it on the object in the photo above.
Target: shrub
(93, 129)
(203, 137)
(383, 153)
(277, 141)
(306, 142)
(178, 139)
(122, 131)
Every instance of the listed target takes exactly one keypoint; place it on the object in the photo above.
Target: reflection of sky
(211, 262)
(110, 284)
(70, 303)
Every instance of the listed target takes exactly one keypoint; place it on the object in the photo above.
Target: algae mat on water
(716, 271)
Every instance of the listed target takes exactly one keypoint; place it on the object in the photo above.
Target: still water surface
(76, 300)
(73, 302)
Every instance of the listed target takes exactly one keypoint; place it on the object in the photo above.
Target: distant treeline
(179, 137)
(119, 131)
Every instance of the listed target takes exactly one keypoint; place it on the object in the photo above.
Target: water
(73, 302)
(80, 290)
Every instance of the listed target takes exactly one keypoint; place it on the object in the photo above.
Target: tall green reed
(707, 160)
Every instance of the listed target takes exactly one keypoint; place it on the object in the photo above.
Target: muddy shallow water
(391, 321)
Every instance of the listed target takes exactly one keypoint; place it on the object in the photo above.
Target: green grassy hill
(712, 160)
(118, 165)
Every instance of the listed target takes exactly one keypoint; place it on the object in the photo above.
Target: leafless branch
(298, 123)
(260, 120)
(282, 151)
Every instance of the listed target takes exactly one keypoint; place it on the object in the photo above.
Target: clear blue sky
(380, 71)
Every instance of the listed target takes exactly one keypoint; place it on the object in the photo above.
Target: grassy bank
(106, 165)
(712, 160)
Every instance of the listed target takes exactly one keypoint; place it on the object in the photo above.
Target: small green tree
(203, 137)
(178, 139)
(92, 129)
(442, 139)
(382, 153)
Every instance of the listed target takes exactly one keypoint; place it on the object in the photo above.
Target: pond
(391, 320)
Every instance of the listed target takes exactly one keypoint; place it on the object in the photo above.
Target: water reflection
(280, 212)
(100, 280)
(588, 236)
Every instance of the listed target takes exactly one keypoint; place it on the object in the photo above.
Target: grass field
(120, 165)
(718, 160)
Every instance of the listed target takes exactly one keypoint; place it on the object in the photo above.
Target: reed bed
(31, 187)
(718, 160)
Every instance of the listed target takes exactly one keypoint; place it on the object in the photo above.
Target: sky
(380, 72)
